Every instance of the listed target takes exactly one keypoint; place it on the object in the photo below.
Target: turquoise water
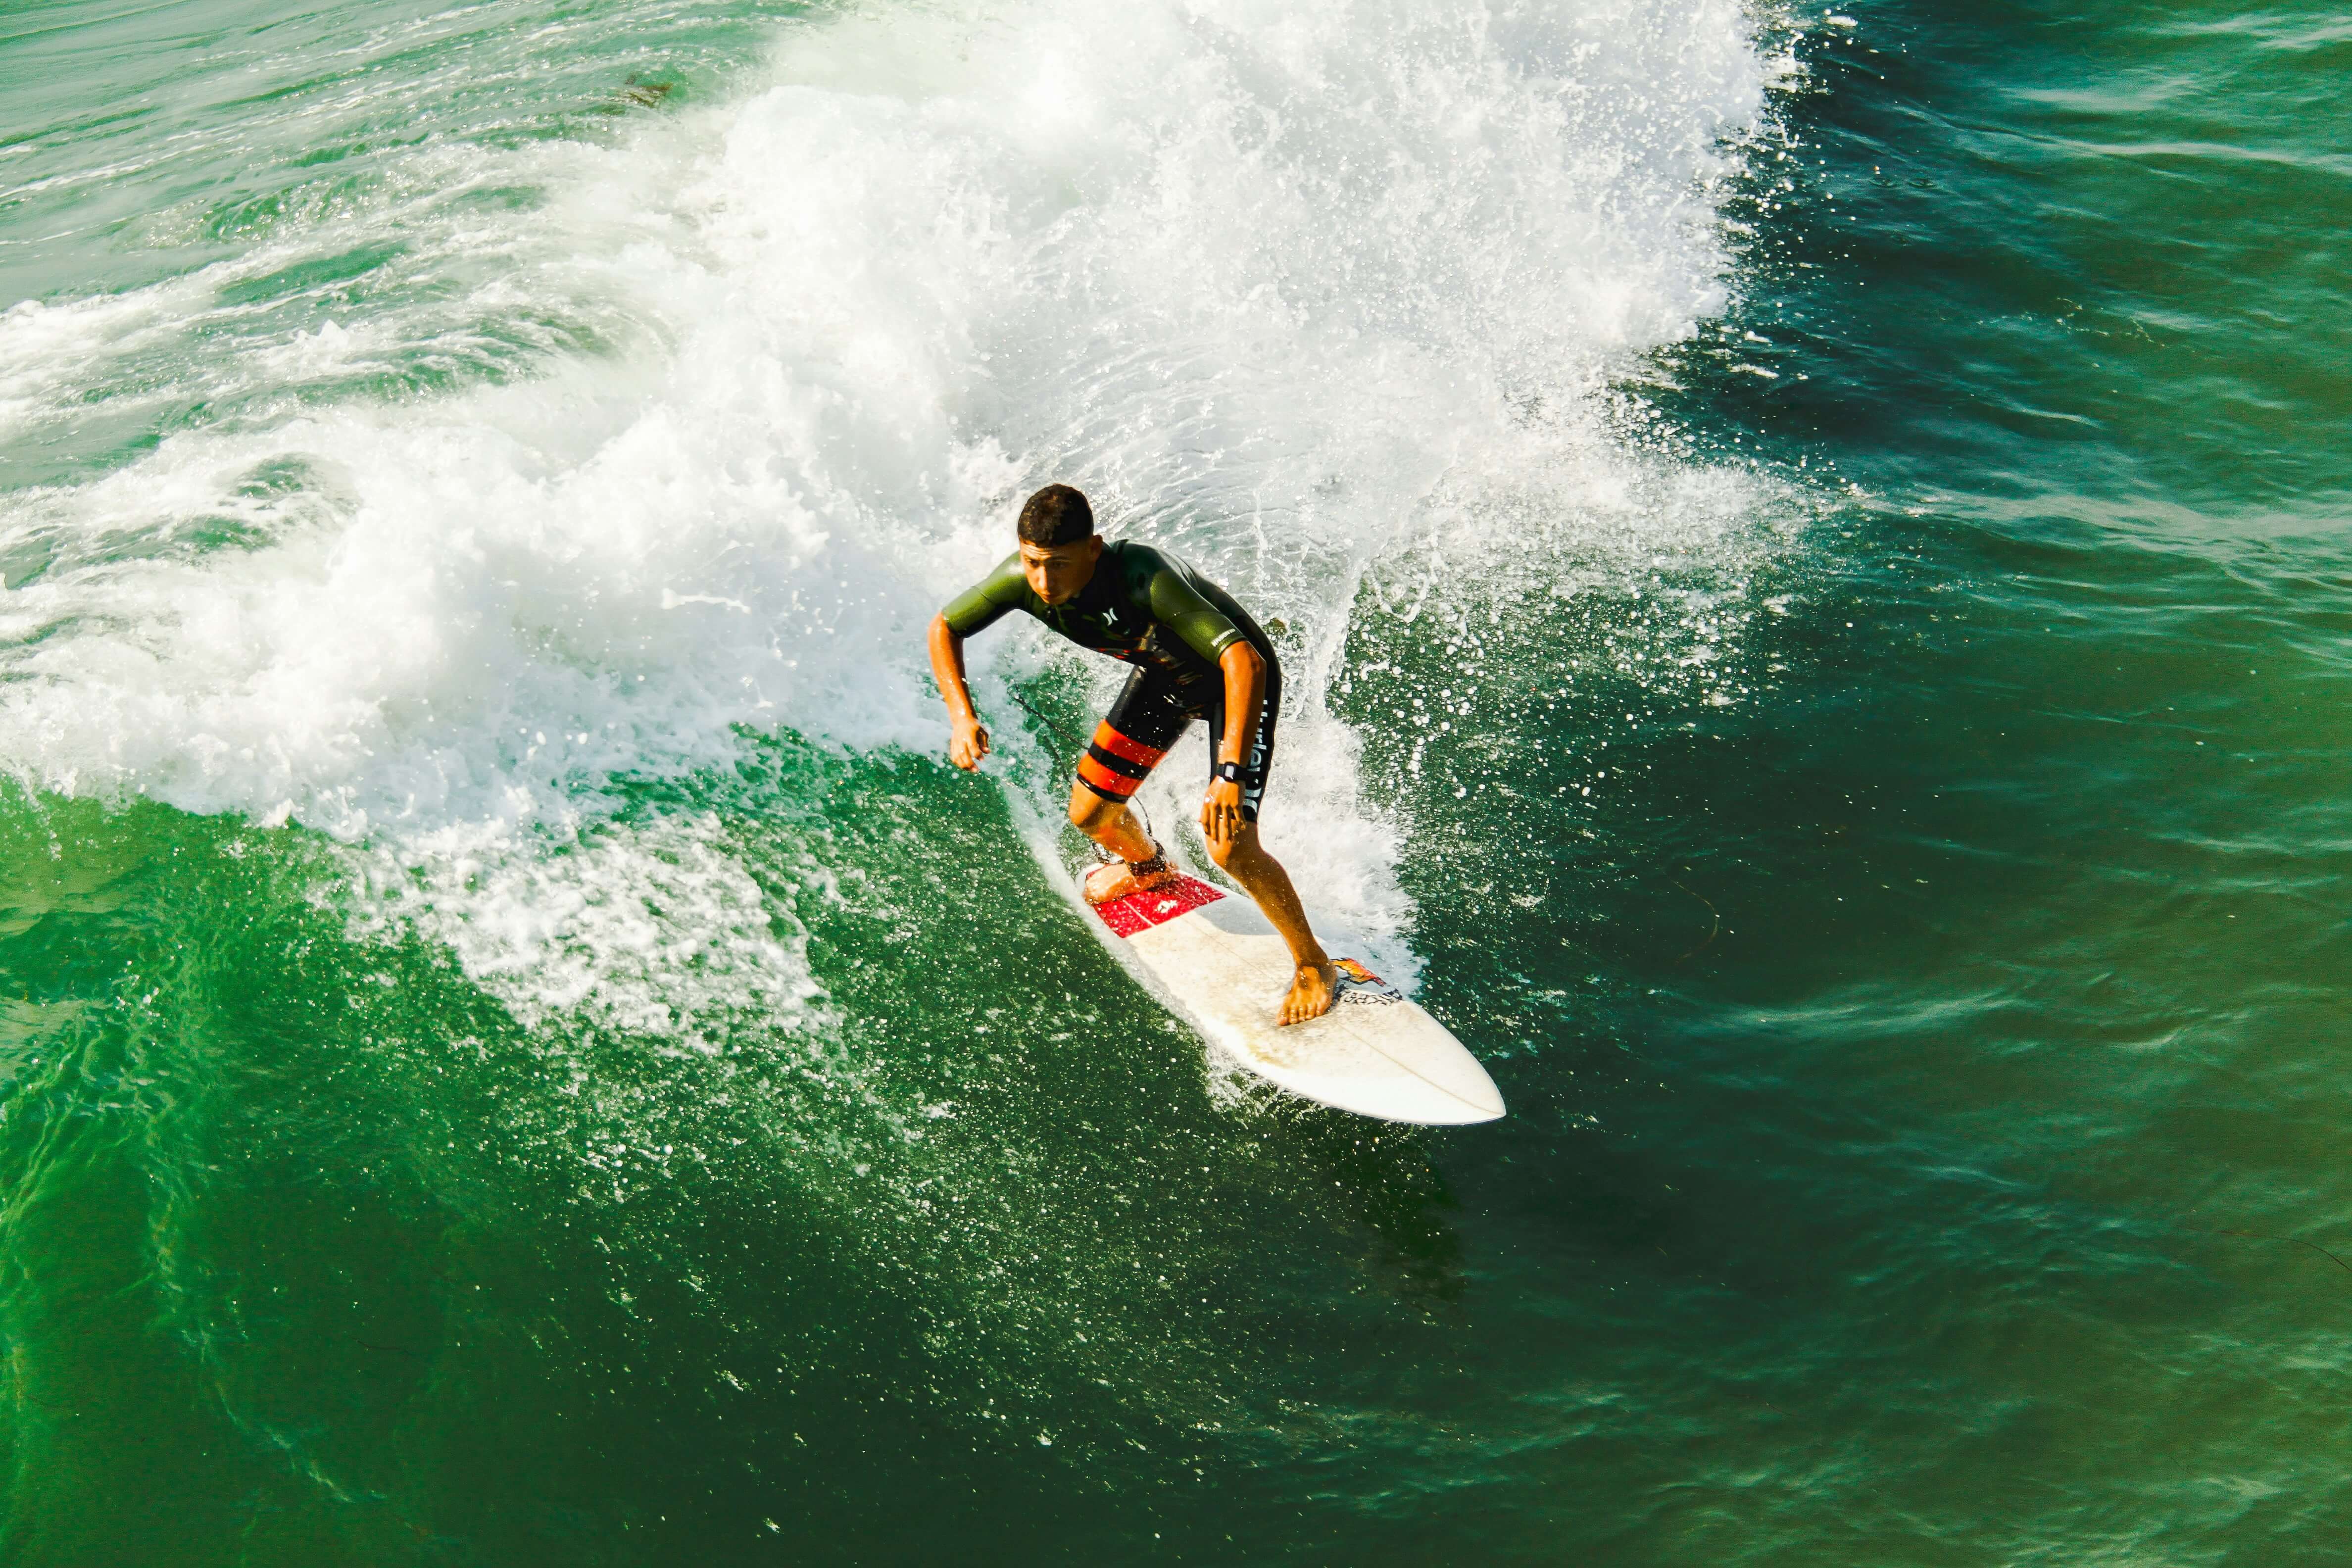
(1812, 588)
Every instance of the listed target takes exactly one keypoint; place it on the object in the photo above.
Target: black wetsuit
(1147, 609)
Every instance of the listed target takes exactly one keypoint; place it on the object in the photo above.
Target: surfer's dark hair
(1056, 515)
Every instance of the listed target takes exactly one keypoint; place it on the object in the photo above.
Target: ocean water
(1810, 555)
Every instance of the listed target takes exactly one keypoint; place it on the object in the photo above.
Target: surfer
(1197, 655)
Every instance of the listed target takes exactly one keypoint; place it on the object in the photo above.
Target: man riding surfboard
(1197, 655)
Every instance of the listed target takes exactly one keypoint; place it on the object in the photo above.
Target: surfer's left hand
(1221, 812)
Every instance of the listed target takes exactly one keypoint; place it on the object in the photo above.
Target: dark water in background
(1905, 918)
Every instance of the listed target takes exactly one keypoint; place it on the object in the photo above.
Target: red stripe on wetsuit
(1116, 766)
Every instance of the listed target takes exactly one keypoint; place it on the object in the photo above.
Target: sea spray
(1287, 288)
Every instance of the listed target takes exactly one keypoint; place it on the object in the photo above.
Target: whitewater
(498, 472)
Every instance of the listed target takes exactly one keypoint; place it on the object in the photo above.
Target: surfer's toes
(1115, 879)
(1312, 991)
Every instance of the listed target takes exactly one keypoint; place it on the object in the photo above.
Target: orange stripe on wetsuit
(1118, 745)
(1114, 766)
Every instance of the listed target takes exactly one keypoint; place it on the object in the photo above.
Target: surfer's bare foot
(1115, 879)
(1312, 991)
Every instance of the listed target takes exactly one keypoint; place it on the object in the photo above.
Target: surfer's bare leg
(1244, 859)
(1110, 824)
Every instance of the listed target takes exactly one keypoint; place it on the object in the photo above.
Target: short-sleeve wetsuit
(1148, 609)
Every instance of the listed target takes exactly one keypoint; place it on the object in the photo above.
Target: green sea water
(1810, 556)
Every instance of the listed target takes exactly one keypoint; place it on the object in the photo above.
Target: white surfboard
(1374, 1053)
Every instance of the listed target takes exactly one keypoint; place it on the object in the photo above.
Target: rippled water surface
(1809, 554)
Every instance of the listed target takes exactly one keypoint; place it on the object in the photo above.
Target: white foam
(1269, 279)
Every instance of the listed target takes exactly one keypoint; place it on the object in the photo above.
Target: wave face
(539, 1029)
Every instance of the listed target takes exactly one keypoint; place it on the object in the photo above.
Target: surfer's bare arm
(1245, 672)
(968, 741)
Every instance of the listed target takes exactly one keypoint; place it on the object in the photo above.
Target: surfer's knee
(1239, 852)
(1089, 811)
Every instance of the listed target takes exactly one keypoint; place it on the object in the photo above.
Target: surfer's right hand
(968, 744)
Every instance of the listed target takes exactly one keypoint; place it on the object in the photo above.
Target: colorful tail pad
(1139, 911)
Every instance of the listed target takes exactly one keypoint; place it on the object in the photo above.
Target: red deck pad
(1156, 906)
(1118, 745)
(1108, 782)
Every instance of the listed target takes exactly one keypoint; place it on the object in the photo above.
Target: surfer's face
(1057, 571)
